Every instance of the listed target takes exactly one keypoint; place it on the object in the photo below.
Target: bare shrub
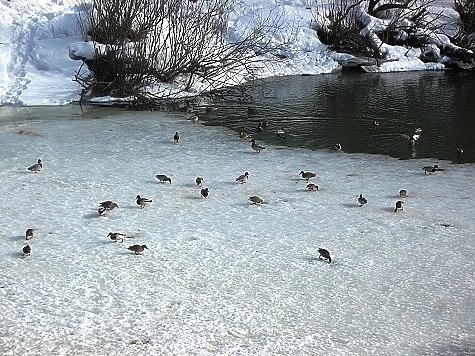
(465, 36)
(142, 43)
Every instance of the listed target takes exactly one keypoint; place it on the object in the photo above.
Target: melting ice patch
(223, 275)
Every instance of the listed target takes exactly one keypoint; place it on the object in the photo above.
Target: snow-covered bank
(36, 36)
(223, 276)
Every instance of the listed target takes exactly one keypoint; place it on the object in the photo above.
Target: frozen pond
(223, 276)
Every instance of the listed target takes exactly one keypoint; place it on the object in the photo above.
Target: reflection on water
(317, 112)
(320, 111)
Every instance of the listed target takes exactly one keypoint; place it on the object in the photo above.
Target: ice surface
(222, 275)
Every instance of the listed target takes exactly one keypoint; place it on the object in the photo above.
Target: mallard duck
(307, 175)
(137, 249)
(26, 250)
(244, 135)
(101, 211)
(142, 201)
(324, 254)
(242, 178)
(431, 169)
(256, 200)
(199, 181)
(163, 178)
(204, 192)
(256, 147)
(399, 205)
(36, 167)
(361, 200)
(117, 236)
(29, 234)
(108, 205)
(193, 119)
(312, 186)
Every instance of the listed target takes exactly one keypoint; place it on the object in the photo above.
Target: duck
(324, 254)
(117, 236)
(199, 181)
(399, 206)
(210, 109)
(459, 152)
(193, 119)
(137, 249)
(243, 178)
(256, 147)
(244, 135)
(142, 201)
(204, 192)
(163, 178)
(109, 205)
(252, 111)
(337, 147)
(361, 200)
(29, 234)
(431, 169)
(259, 127)
(256, 200)
(26, 250)
(176, 137)
(415, 136)
(375, 123)
(403, 193)
(36, 167)
(307, 175)
(280, 133)
(101, 211)
(312, 187)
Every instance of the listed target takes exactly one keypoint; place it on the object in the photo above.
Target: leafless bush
(142, 43)
(465, 36)
(338, 25)
(344, 25)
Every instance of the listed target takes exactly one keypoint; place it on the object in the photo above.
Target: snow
(39, 36)
(223, 276)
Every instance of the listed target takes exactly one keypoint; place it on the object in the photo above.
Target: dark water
(319, 111)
